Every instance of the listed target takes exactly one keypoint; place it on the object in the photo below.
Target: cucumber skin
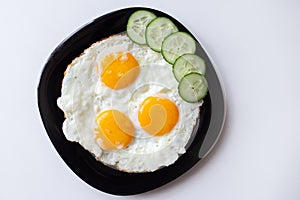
(191, 71)
(200, 98)
(154, 16)
(162, 51)
(158, 51)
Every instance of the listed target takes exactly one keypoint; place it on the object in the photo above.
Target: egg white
(84, 96)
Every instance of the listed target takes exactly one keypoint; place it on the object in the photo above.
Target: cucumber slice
(177, 44)
(136, 25)
(193, 87)
(157, 30)
(188, 63)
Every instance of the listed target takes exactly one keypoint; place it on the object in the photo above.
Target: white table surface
(256, 46)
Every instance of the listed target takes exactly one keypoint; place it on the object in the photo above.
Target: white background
(256, 46)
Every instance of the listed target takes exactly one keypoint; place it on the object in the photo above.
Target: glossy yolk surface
(119, 70)
(115, 130)
(157, 115)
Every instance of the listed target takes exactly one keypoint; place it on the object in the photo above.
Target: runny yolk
(119, 70)
(157, 115)
(115, 130)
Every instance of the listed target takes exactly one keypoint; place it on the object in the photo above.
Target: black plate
(81, 161)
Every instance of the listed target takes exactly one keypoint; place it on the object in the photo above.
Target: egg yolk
(157, 115)
(119, 70)
(115, 130)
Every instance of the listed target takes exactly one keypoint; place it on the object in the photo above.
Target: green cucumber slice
(188, 63)
(157, 30)
(136, 25)
(193, 87)
(177, 44)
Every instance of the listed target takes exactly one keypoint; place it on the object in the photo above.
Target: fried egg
(121, 103)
